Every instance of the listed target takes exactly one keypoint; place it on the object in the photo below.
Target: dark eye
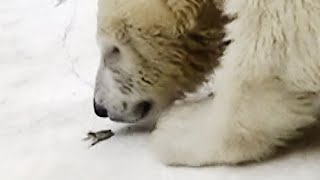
(115, 50)
(111, 54)
(112, 51)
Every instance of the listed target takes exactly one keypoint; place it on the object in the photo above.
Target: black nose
(143, 108)
(100, 110)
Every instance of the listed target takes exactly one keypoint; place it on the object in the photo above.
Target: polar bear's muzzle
(140, 110)
(100, 110)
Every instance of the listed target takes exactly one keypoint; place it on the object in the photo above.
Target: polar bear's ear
(186, 13)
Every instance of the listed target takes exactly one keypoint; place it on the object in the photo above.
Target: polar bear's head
(152, 52)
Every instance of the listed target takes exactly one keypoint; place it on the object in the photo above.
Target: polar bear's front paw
(181, 134)
(168, 150)
(162, 149)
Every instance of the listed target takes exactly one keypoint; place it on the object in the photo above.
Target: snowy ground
(48, 59)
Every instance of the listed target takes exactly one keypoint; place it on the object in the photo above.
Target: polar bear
(262, 56)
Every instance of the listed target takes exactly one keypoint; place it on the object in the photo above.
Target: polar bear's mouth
(144, 108)
(140, 111)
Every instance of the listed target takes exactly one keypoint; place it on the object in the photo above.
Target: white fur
(265, 90)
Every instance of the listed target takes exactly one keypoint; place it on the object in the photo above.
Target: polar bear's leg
(183, 136)
(244, 122)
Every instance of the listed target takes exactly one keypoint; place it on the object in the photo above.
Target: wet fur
(157, 52)
(266, 87)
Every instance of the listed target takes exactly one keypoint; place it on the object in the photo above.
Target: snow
(48, 59)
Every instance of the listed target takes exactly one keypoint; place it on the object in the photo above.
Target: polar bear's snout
(140, 110)
(100, 110)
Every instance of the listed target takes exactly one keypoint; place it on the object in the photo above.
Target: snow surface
(48, 59)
